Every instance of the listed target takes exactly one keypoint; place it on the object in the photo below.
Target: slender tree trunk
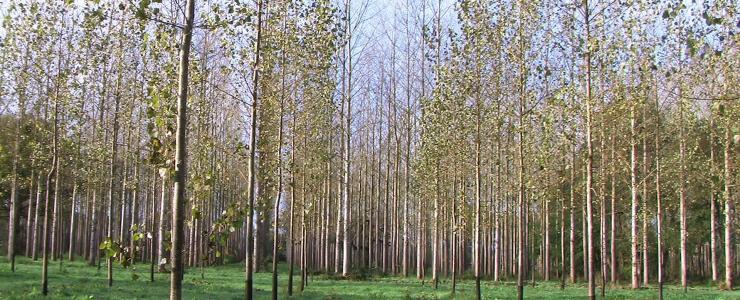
(572, 215)
(34, 245)
(682, 195)
(497, 206)
(589, 162)
(161, 260)
(477, 243)
(712, 201)
(29, 217)
(562, 244)
(304, 265)
(729, 211)
(45, 236)
(181, 156)
(14, 205)
(405, 251)
(279, 191)
(338, 227)
(347, 148)
(477, 257)
(114, 152)
(602, 207)
(291, 243)
(546, 259)
(386, 219)
(613, 229)
(248, 293)
(72, 222)
(659, 208)
(134, 208)
(633, 192)
(520, 156)
(435, 233)
(584, 237)
(645, 253)
(53, 172)
(94, 250)
(453, 237)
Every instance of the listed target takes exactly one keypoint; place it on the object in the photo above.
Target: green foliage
(111, 248)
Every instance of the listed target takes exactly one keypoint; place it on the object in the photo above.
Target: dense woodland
(499, 140)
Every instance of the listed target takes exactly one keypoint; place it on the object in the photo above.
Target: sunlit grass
(76, 280)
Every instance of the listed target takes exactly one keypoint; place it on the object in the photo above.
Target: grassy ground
(78, 281)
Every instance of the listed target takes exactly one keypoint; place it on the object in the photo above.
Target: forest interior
(369, 149)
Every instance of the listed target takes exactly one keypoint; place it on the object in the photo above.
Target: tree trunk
(520, 156)
(161, 260)
(633, 190)
(29, 217)
(572, 214)
(72, 222)
(659, 208)
(181, 156)
(589, 162)
(682, 194)
(290, 244)
(53, 172)
(729, 211)
(347, 147)
(645, 253)
(712, 201)
(34, 245)
(279, 190)
(248, 288)
(14, 205)
(476, 242)
(613, 229)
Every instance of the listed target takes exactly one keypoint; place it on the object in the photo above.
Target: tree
(347, 131)
(280, 178)
(181, 155)
(248, 293)
(589, 155)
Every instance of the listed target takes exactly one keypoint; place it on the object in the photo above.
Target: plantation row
(592, 141)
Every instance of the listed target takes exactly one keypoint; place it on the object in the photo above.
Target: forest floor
(76, 280)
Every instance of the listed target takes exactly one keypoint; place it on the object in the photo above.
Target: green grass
(76, 280)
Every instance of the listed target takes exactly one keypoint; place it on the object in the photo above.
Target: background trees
(454, 129)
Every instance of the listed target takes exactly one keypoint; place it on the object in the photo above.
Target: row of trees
(444, 137)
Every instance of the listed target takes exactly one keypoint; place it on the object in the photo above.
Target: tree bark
(161, 260)
(248, 288)
(14, 205)
(181, 156)
(279, 190)
(659, 208)
(53, 172)
(682, 194)
(29, 217)
(572, 214)
(712, 201)
(729, 211)
(347, 148)
(633, 190)
(290, 245)
(645, 253)
(589, 161)
(613, 229)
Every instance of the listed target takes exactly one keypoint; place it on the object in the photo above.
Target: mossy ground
(77, 280)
